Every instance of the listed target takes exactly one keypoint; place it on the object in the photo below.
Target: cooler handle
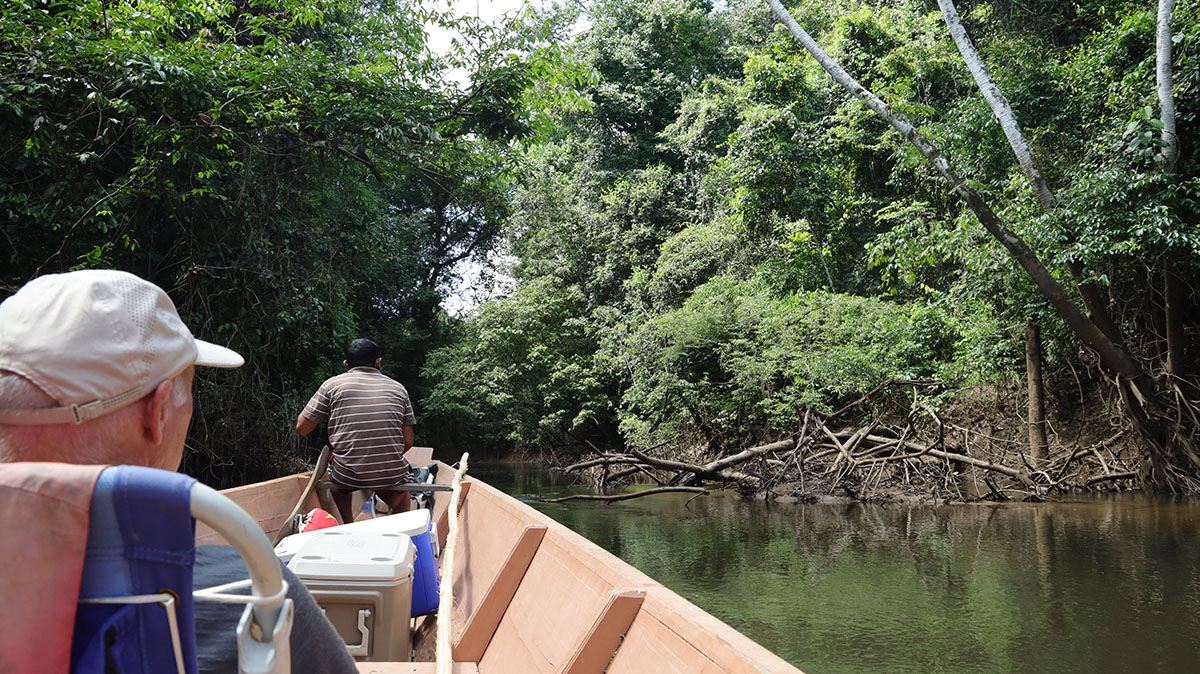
(363, 647)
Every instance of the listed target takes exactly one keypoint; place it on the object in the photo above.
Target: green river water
(1103, 585)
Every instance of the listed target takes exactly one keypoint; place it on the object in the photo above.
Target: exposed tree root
(921, 459)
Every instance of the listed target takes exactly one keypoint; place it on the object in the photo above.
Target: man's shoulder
(360, 376)
(375, 375)
(342, 378)
(336, 378)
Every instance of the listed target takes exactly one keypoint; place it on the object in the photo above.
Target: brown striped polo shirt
(367, 412)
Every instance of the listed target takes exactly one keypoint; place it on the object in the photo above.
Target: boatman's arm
(304, 426)
(408, 436)
(315, 412)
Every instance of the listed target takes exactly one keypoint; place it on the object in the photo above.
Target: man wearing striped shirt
(370, 427)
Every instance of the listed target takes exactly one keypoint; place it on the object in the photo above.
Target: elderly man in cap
(96, 367)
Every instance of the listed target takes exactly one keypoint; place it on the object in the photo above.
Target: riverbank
(972, 446)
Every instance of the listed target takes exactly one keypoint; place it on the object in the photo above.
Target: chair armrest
(244, 534)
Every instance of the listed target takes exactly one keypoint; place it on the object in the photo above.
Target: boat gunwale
(724, 647)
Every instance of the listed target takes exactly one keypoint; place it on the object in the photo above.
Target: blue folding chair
(136, 599)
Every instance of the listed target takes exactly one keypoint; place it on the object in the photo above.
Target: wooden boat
(532, 596)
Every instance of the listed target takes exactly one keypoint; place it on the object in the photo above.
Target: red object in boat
(317, 519)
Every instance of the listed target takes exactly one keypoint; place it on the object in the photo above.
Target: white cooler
(363, 582)
(414, 523)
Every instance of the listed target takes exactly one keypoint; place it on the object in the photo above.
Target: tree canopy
(293, 173)
(707, 237)
(758, 242)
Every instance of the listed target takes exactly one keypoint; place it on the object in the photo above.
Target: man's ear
(378, 362)
(346, 364)
(154, 417)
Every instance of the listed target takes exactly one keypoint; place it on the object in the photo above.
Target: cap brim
(211, 355)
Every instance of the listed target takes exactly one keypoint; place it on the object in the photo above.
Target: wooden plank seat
(416, 457)
(419, 456)
(567, 620)
(682, 639)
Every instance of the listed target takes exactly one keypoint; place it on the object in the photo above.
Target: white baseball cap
(96, 341)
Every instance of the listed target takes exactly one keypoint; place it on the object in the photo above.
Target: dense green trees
(1158, 408)
(768, 244)
(293, 173)
(706, 234)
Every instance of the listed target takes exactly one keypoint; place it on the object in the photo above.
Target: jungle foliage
(295, 174)
(706, 237)
(741, 240)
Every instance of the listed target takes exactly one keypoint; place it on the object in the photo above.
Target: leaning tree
(1159, 404)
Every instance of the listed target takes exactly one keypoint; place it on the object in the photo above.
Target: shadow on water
(1103, 585)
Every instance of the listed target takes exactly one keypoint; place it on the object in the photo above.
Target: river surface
(1111, 584)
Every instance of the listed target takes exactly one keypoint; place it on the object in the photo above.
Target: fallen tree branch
(1111, 476)
(857, 439)
(699, 471)
(633, 471)
(980, 463)
(625, 497)
(666, 464)
(950, 456)
(728, 461)
(606, 460)
(894, 457)
(840, 447)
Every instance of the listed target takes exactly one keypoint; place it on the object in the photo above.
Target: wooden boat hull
(532, 596)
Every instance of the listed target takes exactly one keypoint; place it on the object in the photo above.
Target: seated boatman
(370, 427)
(67, 340)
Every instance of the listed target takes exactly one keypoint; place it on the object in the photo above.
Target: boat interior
(532, 596)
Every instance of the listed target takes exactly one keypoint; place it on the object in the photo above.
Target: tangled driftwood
(922, 459)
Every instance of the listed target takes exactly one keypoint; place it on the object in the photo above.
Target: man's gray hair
(92, 442)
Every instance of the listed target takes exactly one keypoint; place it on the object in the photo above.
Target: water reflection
(1106, 585)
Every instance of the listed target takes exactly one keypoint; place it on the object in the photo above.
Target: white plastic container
(363, 582)
(413, 523)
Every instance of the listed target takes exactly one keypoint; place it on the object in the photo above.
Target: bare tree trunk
(821, 254)
(1000, 107)
(1093, 303)
(1173, 310)
(1166, 83)
(1173, 295)
(1038, 443)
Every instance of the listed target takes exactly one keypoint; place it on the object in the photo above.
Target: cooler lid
(413, 523)
(354, 555)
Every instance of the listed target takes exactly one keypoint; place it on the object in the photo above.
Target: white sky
(467, 294)
(487, 10)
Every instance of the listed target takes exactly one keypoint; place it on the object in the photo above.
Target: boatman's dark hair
(362, 353)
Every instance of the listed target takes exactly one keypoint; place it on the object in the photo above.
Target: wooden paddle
(318, 472)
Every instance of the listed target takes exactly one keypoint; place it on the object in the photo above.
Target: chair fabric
(141, 541)
(44, 509)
